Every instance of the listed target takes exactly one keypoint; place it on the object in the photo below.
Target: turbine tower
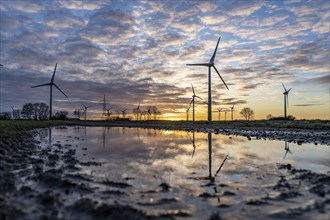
(137, 111)
(286, 99)
(108, 113)
(232, 112)
(219, 111)
(187, 113)
(209, 65)
(193, 101)
(51, 84)
(124, 112)
(85, 108)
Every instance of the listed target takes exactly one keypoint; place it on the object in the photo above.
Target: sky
(137, 51)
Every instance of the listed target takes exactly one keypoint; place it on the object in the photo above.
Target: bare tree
(269, 116)
(247, 113)
(27, 110)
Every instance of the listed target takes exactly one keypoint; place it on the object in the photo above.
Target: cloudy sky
(137, 51)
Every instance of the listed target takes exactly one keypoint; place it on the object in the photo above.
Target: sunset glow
(137, 51)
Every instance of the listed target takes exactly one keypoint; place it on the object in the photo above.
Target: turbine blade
(54, 73)
(60, 90)
(46, 84)
(215, 51)
(289, 90)
(283, 86)
(84, 105)
(198, 64)
(193, 89)
(198, 97)
(220, 77)
(191, 101)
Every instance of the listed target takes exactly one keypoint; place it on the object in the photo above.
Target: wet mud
(41, 180)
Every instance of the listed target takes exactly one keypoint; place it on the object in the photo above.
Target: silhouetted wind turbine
(209, 65)
(108, 112)
(85, 108)
(286, 99)
(287, 149)
(187, 113)
(193, 100)
(124, 112)
(232, 112)
(51, 84)
(225, 115)
(219, 111)
(12, 111)
(137, 111)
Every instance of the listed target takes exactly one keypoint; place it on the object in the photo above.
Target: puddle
(176, 173)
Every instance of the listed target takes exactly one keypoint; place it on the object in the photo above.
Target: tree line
(35, 111)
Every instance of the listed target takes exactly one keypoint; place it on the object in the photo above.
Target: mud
(53, 183)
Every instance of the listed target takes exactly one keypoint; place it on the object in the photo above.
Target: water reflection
(189, 151)
(287, 149)
(160, 170)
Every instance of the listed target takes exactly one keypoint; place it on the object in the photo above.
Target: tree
(43, 111)
(77, 113)
(269, 116)
(5, 116)
(16, 114)
(62, 115)
(247, 113)
(27, 111)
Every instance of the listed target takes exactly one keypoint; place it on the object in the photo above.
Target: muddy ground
(38, 183)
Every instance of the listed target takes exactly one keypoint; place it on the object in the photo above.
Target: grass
(14, 127)
(298, 124)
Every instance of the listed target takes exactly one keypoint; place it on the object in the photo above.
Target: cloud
(307, 105)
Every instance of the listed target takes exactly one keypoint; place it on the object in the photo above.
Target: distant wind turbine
(13, 112)
(85, 108)
(137, 111)
(226, 114)
(187, 113)
(193, 100)
(51, 84)
(209, 65)
(124, 112)
(286, 99)
(232, 112)
(219, 111)
(108, 112)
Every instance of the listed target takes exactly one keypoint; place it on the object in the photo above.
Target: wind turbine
(286, 99)
(137, 111)
(85, 108)
(187, 113)
(219, 111)
(287, 149)
(193, 100)
(51, 84)
(209, 65)
(124, 112)
(13, 112)
(226, 114)
(232, 112)
(108, 112)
